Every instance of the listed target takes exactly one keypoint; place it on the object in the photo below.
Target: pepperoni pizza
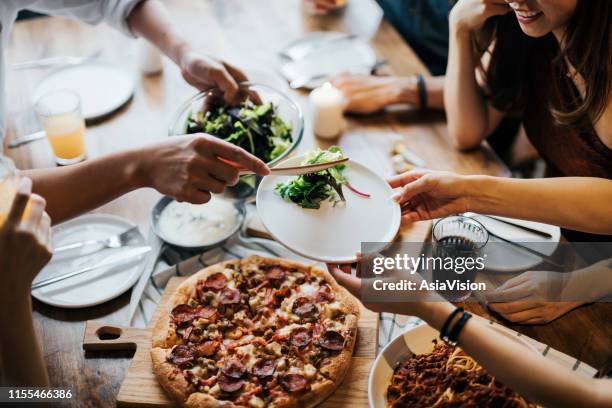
(257, 332)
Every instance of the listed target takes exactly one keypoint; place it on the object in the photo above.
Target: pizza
(255, 332)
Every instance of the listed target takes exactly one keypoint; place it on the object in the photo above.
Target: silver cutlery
(54, 61)
(148, 267)
(112, 260)
(32, 137)
(548, 259)
(411, 157)
(542, 234)
(116, 241)
(299, 51)
(304, 80)
(299, 170)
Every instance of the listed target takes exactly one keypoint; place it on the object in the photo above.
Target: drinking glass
(457, 237)
(9, 181)
(60, 115)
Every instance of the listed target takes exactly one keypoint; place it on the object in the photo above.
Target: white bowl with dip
(196, 226)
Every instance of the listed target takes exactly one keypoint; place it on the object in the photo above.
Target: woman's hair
(587, 45)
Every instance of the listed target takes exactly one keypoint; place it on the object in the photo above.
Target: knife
(147, 270)
(32, 137)
(114, 259)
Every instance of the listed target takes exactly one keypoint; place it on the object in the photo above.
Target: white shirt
(114, 12)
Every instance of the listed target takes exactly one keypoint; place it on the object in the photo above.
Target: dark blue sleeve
(424, 26)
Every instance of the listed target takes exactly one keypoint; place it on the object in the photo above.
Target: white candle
(327, 106)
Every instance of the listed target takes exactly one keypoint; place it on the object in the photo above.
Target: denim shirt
(424, 26)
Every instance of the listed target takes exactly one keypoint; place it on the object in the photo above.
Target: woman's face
(540, 17)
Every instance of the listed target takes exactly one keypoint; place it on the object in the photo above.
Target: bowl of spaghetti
(417, 370)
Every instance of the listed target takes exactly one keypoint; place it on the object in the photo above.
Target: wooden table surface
(249, 34)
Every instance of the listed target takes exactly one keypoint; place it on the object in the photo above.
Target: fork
(116, 241)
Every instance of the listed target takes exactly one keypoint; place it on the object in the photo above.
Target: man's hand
(25, 244)
(204, 72)
(188, 167)
(529, 298)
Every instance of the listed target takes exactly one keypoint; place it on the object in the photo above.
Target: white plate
(103, 88)
(331, 234)
(417, 340)
(353, 55)
(98, 286)
(503, 257)
(267, 77)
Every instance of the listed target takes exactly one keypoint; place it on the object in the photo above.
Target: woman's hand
(425, 195)
(25, 244)
(188, 167)
(529, 298)
(204, 72)
(368, 93)
(469, 15)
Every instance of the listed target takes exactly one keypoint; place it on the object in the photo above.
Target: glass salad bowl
(270, 128)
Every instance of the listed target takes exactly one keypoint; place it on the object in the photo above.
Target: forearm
(578, 203)
(530, 374)
(591, 283)
(434, 86)
(150, 20)
(72, 190)
(465, 106)
(20, 355)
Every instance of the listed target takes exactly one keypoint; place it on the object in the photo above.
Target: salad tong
(296, 170)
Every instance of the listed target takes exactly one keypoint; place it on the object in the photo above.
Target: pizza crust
(169, 377)
(164, 337)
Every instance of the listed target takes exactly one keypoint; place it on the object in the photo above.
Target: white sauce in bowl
(193, 225)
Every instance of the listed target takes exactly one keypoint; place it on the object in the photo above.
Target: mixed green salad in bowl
(264, 122)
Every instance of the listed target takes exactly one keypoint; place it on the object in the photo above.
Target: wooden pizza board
(140, 387)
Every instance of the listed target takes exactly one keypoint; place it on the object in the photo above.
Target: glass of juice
(456, 239)
(60, 115)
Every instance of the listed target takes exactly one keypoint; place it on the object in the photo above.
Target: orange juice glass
(60, 115)
(9, 179)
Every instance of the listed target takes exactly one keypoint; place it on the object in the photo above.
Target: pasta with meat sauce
(447, 377)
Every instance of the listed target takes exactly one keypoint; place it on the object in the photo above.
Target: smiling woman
(551, 63)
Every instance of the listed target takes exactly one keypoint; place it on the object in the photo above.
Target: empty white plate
(95, 287)
(331, 234)
(504, 257)
(103, 88)
(327, 54)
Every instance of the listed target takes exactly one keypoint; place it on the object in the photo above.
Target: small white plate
(504, 257)
(417, 340)
(330, 57)
(95, 287)
(331, 234)
(103, 88)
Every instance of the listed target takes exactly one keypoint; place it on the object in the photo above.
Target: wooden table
(249, 34)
